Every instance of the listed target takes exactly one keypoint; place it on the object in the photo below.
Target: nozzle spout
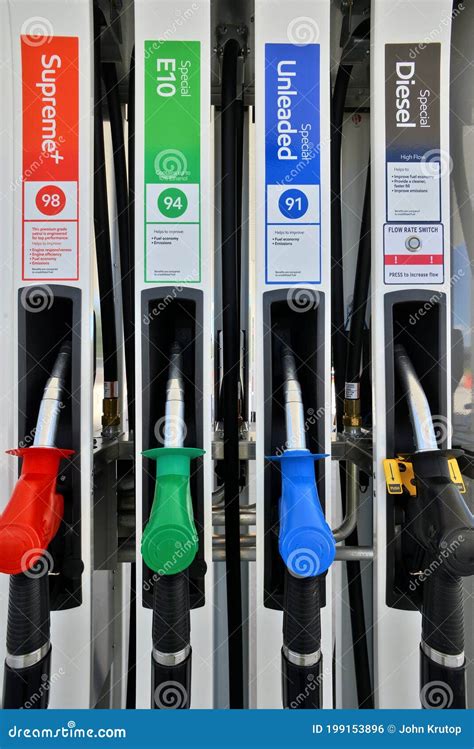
(175, 430)
(419, 408)
(51, 402)
(294, 412)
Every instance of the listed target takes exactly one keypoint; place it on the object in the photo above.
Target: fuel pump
(27, 526)
(307, 548)
(293, 302)
(48, 241)
(169, 545)
(227, 289)
(411, 307)
(439, 547)
(173, 300)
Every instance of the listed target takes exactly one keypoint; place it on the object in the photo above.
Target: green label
(172, 162)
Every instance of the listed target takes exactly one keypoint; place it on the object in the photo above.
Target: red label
(50, 86)
(413, 260)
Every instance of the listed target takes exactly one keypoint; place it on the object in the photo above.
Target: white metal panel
(289, 22)
(8, 189)
(70, 630)
(397, 633)
(177, 20)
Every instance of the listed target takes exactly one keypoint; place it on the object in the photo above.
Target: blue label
(293, 203)
(292, 114)
(292, 163)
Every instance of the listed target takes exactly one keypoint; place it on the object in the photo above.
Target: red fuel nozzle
(35, 510)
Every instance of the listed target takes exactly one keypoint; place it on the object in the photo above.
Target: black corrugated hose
(339, 347)
(353, 368)
(231, 368)
(109, 73)
(101, 219)
(361, 293)
(132, 641)
(338, 335)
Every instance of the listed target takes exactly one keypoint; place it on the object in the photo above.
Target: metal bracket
(226, 31)
(113, 498)
(358, 451)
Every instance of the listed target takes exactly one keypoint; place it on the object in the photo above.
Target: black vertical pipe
(132, 640)
(239, 189)
(231, 369)
(109, 73)
(131, 158)
(337, 277)
(339, 347)
(101, 219)
(353, 365)
(361, 293)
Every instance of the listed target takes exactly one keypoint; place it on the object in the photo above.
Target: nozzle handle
(32, 516)
(444, 527)
(442, 521)
(170, 540)
(306, 543)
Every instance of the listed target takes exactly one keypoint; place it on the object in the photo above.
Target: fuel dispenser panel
(41, 334)
(416, 320)
(304, 330)
(167, 318)
(236, 379)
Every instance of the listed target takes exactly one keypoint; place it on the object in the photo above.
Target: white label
(293, 253)
(172, 252)
(413, 253)
(413, 192)
(352, 391)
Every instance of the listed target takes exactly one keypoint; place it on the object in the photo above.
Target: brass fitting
(110, 413)
(352, 417)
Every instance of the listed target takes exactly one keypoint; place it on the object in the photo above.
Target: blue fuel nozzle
(306, 543)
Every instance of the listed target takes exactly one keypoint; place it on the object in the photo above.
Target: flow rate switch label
(50, 170)
(172, 162)
(292, 164)
(415, 165)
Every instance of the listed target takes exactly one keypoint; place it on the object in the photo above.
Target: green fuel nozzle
(169, 545)
(170, 540)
